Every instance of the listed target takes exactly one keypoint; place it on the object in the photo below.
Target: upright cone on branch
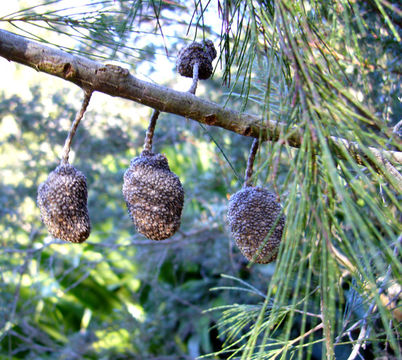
(255, 219)
(195, 61)
(62, 198)
(202, 53)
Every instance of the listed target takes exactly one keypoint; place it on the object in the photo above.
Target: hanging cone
(62, 200)
(252, 212)
(154, 196)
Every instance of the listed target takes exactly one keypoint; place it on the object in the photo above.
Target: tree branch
(116, 81)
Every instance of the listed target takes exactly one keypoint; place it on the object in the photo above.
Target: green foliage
(120, 292)
(330, 68)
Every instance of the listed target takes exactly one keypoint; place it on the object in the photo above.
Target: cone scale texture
(62, 200)
(154, 196)
(252, 212)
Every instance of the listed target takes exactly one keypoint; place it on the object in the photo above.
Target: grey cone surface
(252, 212)
(203, 53)
(154, 196)
(62, 200)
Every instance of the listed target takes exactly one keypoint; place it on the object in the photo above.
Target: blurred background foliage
(332, 68)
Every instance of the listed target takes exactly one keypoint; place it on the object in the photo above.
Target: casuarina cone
(154, 196)
(203, 53)
(252, 213)
(62, 200)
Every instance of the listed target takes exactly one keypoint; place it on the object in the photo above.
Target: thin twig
(290, 343)
(79, 280)
(193, 86)
(384, 298)
(250, 163)
(363, 331)
(308, 313)
(23, 268)
(398, 128)
(362, 336)
(152, 123)
(31, 345)
(175, 297)
(115, 81)
(150, 132)
(31, 250)
(74, 126)
(180, 238)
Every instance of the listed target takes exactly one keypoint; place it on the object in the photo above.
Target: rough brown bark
(116, 81)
